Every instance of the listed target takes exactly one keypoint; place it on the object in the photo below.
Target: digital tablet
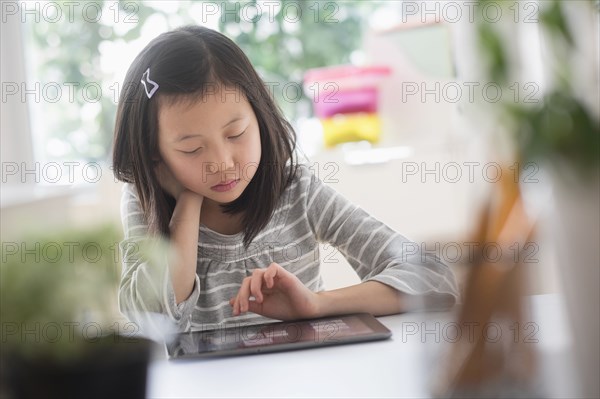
(278, 336)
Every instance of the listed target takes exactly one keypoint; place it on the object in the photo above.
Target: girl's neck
(215, 219)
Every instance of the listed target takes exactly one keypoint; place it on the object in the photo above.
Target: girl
(210, 162)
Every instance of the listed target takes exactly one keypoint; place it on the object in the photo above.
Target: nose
(223, 162)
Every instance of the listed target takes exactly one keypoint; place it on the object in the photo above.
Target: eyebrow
(189, 136)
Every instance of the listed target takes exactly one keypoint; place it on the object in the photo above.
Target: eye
(192, 152)
(235, 137)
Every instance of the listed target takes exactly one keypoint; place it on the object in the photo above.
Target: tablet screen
(278, 336)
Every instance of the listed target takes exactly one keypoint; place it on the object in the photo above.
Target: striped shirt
(309, 212)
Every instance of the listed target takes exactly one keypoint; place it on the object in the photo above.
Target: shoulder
(303, 181)
(132, 216)
(129, 193)
(305, 177)
(294, 197)
(130, 203)
(129, 190)
(305, 188)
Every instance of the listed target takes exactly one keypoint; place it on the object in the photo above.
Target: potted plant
(61, 332)
(558, 137)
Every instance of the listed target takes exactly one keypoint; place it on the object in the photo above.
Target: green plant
(60, 326)
(59, 291)
(559, 130)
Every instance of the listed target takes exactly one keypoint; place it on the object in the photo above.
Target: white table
(406, 365)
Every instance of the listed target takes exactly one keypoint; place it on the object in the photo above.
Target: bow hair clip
(146, 81)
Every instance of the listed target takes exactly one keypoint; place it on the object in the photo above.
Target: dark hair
(185, 63)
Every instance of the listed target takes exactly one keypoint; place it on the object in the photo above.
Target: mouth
(225, 186)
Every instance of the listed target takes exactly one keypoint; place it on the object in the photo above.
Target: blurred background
(413, 110)
(429, 161)
(63, 66)
(423, 170)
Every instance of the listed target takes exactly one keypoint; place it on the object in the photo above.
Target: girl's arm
(371, 297)
(146, 289)
(169, 287)
(396, 275)
(376, 298)
(184, 228)
(281, 295)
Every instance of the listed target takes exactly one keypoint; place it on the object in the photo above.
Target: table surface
(407, 365)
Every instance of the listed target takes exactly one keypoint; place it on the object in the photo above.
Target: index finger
(271, 273)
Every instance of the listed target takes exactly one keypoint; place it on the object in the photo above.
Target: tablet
(278, 336)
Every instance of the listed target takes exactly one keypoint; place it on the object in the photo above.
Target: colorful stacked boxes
(345, 100)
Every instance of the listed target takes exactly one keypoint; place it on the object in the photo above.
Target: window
(77, 54)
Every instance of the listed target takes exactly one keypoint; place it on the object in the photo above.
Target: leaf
(553, 18)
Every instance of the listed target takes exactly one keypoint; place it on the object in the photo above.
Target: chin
(225, 197)
(224, 200)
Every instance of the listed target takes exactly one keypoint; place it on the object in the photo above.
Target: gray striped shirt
(309, 212)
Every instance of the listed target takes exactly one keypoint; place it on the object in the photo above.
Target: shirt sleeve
(146, 290)
(374, 250)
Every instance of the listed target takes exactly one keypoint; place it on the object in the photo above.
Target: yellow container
(343, 128)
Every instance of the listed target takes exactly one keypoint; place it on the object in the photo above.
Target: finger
(243, 295)
(270, 274)
(256, 284)
(236, 301)
(235, 304)
(232, 304)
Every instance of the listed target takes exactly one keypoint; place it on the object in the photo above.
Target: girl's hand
(167, 181)
(278, 294)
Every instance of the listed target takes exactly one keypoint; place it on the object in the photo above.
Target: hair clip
(146, 76)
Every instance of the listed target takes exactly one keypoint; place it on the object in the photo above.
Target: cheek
(253, 156)
(253, 152)
(183, 171)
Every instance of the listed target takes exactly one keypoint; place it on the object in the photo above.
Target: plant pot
(114, 366)
(575, 228)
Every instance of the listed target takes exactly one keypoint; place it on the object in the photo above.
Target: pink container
(344, 89)
(346, 102)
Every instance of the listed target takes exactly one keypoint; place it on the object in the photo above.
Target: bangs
(212, 87)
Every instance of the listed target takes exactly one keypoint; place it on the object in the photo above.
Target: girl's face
(211, 146)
